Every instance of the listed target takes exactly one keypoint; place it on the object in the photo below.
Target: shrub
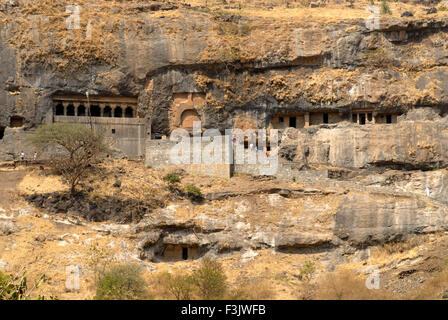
(121, 282)
(307, 270)
(180, 286)
(194, 193)
(171, 178)
(346, 285)
(385, 7)
(255, 289)
(210, 280)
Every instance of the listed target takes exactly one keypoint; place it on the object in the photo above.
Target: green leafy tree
(78, 147)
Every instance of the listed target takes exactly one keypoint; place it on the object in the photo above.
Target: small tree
(210, 280)
(121, 282)
(180, 286)
(81, 147)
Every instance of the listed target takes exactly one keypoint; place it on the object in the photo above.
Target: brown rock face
(407, 145)
(369, 219)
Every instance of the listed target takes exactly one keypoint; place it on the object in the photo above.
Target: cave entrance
(118, 112)
(59, 109)
(389, 118)
(188, 117)
(292, 122)
(129, 112)
(175, 252)
(107, 112)
(362, 118)
(81, 111)
(16, 122)
(95, 111)
(2, 132)
(70, 110)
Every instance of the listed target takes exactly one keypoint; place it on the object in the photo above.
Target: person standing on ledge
(22, 155)
(427, 191)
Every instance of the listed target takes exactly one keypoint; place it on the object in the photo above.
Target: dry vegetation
(45, 247)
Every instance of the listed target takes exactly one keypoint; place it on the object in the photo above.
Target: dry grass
(345, 284)
(432, 288)
(255, 289)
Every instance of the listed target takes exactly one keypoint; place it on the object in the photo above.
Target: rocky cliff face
(247, 66)
(417, 141)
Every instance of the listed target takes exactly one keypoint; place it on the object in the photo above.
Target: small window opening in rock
(389, 118)
(107, 112)
(2, 132)
(81, 111)
(268, 148)
(95, 111)
(59, 109)
(118, 112)
(70, 110)
(292, 122)
(362, 118)
(325, 118)
(354, 118)
(129, 112)
(246, 144)
(185, 253)
(113, 131)
(16, 121)
(369, 117)
(281, 119)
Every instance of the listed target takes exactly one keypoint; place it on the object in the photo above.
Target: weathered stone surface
(160, 56)
(369, 219)
(407, 144)
(8, 227)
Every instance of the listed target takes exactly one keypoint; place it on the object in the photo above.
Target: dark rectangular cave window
(362, 118)
(16, 122)
(113, 131)
(369, 117)
(325, 118)
(185, 253)
(2, 132)
(389, 118)
(281, 119)
(292, 122)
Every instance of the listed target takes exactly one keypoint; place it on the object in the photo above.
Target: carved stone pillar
(307, 119)
(65, 104)
(102, 106)
(76, 105)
